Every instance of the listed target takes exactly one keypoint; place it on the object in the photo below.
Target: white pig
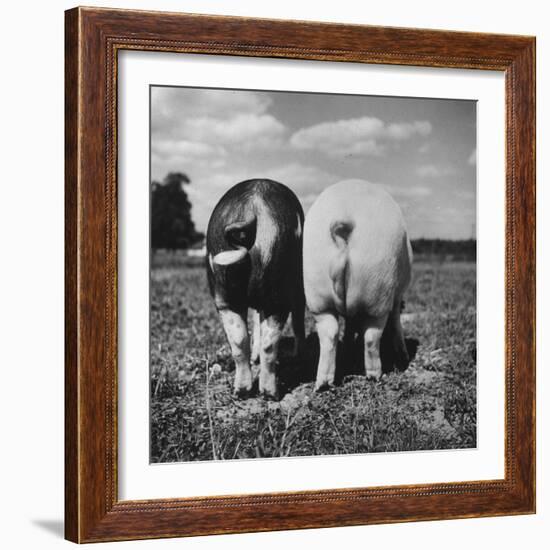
(357, 264)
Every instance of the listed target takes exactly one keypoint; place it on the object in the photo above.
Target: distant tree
(171, 224)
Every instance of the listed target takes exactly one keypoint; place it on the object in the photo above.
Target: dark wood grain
(71, 269)
(93, 38)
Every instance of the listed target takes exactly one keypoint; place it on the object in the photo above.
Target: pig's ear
(241, 233)
(230, 257)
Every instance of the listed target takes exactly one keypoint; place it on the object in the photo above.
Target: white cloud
(433, 171)
(215, 118)
(248, 130)
(186, 149)
(472, 159)
(410, 192)
(369, 147)
(169, 105)
(405, 130)
(356, 136)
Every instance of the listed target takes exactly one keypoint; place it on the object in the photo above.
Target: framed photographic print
(300, 275)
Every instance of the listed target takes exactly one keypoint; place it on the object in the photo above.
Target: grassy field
(431, 405)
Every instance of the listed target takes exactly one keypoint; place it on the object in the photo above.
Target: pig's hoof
(270, 395)
(268, 386)
(401, 361)
(374, 374)
(269, 392)
(324, 386)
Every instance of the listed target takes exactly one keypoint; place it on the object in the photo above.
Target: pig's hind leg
(298, 312)
(372, 334)
(399, 348)
(327, 330)
(271, 330)
(256, 338)
(236, 330)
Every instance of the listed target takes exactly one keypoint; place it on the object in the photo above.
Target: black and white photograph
(277, 280)
(312, 274)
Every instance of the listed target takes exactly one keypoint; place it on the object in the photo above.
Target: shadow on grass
(294, 371)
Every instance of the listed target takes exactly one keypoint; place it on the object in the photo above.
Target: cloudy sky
(421, 150)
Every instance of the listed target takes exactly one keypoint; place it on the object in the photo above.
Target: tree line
(459, 250)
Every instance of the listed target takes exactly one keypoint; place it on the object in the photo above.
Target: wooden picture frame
(93, 511)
